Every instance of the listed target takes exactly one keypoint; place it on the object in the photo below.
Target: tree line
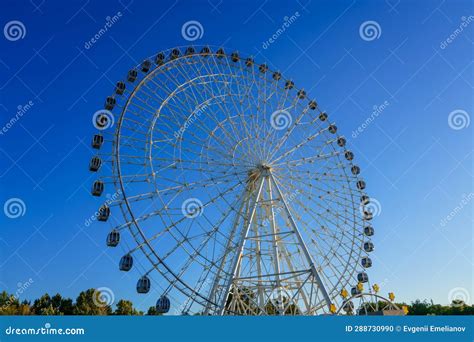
(89, 303)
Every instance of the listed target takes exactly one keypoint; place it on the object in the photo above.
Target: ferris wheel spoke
(222, 144)
(137, 110)
(302, 160)
(335, 189)
(317, 216)
(209, 235)
(138, 119)
(296, 147)
(270, 138)
(188, 262)
(268, 132)
(215, 229)
(254, 126)
(206, 87)
(323, 157)
(284, 139)
(170, 191)
(324, 253)
(194, 185)
(276, 223)
(197, 124)
(329, 250)
(189, 161)
(238, 109)
(220, 153)
(204, 184)
(329, 171)
(176, 223)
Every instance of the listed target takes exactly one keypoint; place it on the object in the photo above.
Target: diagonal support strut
(302, 243)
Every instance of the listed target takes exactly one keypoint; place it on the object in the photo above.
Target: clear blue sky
(415, 164)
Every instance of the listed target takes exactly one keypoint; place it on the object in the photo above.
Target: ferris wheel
(229, 191)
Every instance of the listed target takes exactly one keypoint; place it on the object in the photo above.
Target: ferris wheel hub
(256, 173)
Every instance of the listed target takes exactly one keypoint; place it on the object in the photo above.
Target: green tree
(152, 311)
(64, 305)
(89, 303)
(24, 309)
(125, 308)
(418, 308)
(9, 304)
(56, 305)
(422, 308)
(86, 304)
(44, 306)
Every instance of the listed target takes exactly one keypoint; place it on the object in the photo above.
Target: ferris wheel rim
(130, 211)
(145, 240)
